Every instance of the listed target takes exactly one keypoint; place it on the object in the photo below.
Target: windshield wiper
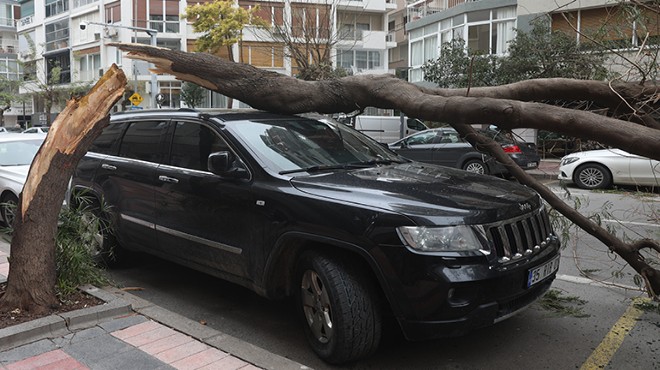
(323, 167)
(374, 162)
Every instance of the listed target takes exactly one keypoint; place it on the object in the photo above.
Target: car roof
(224, 115)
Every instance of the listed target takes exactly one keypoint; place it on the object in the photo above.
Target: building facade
(71, 37)
(10, 68)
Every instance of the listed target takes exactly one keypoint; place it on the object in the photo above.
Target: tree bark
(275, 92)
(32, 274)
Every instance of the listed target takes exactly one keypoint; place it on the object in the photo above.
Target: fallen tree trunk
(31, 281)
(275, 92)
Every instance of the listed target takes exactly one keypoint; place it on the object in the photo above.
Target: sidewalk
(548, 169)
(125, 333)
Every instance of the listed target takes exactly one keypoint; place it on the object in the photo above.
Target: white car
(36, 130)
(598, 169)
(16, 154)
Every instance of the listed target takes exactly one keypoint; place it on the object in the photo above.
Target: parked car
(291, 206)
(16, 154)
(599, 169)
(444, 146)
(36, 130)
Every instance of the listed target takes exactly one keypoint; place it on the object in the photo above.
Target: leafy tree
(8, 94)
(534, 54)
(221, 24)
(192, 94)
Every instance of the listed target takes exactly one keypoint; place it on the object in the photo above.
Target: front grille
(515, 238)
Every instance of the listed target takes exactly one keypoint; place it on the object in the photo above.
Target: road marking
(603, 354)
(631, 223)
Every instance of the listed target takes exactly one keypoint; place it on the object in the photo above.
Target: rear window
(108, 141)
(142, 141)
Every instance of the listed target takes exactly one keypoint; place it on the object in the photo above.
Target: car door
(449, 149)
(418, 147)
(203, 219)
(128, 180)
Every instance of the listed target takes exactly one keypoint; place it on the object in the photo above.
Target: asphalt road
(612, 334)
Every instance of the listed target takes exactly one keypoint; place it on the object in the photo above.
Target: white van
(387, 129)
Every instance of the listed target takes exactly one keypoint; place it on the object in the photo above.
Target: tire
(592, 176)
(8, 205)
(475, 166)
(339, 307)
(103, 245)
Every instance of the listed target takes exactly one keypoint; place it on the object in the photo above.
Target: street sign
(136, 99)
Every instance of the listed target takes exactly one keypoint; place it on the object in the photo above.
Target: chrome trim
(196, 239)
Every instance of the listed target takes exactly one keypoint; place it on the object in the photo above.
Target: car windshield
(291, 145)
(18, 153)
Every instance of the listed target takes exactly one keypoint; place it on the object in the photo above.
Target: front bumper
(435, 297)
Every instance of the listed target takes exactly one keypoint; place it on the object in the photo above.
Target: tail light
(510, 148)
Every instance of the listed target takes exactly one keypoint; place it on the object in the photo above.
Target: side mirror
(225, 164)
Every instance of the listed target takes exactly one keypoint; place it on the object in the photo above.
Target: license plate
(532, 164)
(538, 274)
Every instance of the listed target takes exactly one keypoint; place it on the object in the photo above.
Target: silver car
(16, 154)
(599, 169)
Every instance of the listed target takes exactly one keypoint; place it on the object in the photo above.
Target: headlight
(568, 160)
(440, 239)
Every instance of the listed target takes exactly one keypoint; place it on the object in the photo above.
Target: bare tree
(510, 106)
(32, 276)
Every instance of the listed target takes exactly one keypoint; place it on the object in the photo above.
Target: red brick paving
(56, 359)
(178, 350)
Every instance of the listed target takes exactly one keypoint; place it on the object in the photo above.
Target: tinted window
(108, 141)
(141, 141)
(192, 144)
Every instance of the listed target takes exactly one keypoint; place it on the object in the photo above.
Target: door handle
(171, 180)
(110, 167)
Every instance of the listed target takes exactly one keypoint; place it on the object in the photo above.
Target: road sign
(136, 99)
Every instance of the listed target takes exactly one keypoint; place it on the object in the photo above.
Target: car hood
(425, 193)
(602, 153)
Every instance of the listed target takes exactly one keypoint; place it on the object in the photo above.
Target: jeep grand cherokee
(290, 206)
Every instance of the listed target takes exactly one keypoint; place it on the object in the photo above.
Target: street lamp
(151, 32)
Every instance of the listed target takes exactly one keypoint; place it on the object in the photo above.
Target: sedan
(445, 147)
(599, 169)
(36, 130)
(16, 154)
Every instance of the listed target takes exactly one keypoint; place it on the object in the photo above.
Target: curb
(214, 338)
(62, 324)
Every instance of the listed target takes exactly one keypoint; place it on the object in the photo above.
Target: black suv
(293, 206)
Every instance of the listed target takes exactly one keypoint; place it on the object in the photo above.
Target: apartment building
(10, 69)
(73, 36)
(488, 25)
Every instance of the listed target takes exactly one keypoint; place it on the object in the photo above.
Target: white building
(73, 35)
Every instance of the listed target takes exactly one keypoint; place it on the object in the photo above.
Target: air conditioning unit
(109, 32)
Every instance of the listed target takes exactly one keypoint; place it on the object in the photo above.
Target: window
(57, 35)
(142, 140)
(89, 65)
(108, 140)
(79, 3)
(27, 8)
(58, 67)
(164, 15)
(172, 93)
(55, 7)
(359, 59)
(192, 144)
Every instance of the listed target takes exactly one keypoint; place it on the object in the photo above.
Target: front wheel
(475, 166)
(337, 301)
(8, 205)
(592, 176)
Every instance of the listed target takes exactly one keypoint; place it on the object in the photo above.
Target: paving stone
(23, 352)
(97, 349)
(122, 322)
